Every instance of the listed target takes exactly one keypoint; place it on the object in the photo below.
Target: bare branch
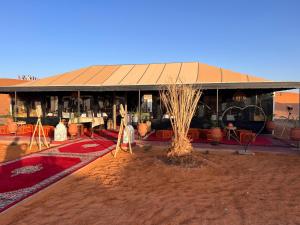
(180, 101)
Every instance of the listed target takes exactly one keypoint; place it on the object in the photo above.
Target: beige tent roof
(145, 74)
(9, 82)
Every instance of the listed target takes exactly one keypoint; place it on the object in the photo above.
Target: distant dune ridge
(284, 99)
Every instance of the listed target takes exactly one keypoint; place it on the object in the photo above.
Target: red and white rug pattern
(23, 177)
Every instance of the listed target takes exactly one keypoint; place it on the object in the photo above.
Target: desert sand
(141, 189)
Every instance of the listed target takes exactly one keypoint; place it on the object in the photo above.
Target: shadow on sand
(15, 150)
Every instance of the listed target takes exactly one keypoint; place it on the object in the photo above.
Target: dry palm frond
(180, 101)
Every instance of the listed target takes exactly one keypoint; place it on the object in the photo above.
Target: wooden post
(39, 128)
(298, 143)
(15, 106)
(273, 102)
(217, 107)
(78, 103)
(299, 109)
(114, 112)
(40, 145)
(255, 97)
(60, 107)
(126, 101)
(139, 106)
(123, 127)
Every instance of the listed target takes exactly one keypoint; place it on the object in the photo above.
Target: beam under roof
(273, 86)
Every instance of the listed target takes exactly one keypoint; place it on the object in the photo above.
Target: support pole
(298, 125)
(78, 103)
(15, 106)
(140, 106)
(273, 102)
(126, 101)
(114, 112)
(299, 109)
(217, 107)
(60, 107)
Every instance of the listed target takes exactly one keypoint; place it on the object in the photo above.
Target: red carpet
(109, 134)
(26, 176)
(260, 140)
(87, 146)
(30, 171)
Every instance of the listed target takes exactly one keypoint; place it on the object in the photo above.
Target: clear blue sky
(256, 37)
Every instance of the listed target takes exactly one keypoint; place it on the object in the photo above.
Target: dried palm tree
(180, 101)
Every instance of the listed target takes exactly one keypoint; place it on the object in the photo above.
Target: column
(15, 106)
(114, 112)
(139, 106)
(78, 103)
(217, 107)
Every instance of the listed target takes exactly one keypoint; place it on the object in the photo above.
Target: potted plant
(72, 128)
(216, 134)
(142, 128)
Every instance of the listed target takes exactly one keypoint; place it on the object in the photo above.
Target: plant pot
(142, 129)
(216, 134)
(12, 127)
(295, 134)
(73, 131)
(270, 125)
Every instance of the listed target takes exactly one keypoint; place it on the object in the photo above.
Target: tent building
(99, 90)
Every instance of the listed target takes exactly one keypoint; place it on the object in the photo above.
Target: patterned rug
(23, 177)
(87, 146)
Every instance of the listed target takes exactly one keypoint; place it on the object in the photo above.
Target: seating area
(26, 130)
(228, 135)
(21, 128)
(239, 136)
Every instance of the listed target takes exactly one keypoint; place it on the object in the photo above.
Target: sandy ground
(141, 189)
(14, 151)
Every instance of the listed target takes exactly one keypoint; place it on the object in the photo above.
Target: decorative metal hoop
(242, 109)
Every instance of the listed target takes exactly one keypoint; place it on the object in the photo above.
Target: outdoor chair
(203, 133)
(25, 129)
(246, 136)
(3, 129)
(193, 133)
(164, 134)
(48, 130)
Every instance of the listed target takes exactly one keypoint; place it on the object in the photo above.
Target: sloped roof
(144, 74)
(9, 82)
